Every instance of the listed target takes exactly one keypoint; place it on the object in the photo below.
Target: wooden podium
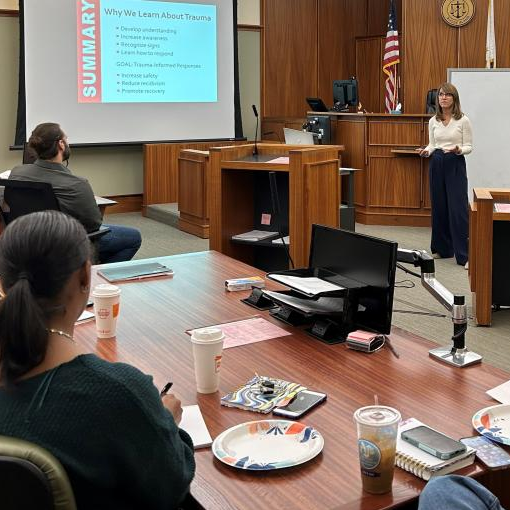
(489, 239)
(193, 203)
(240, 198)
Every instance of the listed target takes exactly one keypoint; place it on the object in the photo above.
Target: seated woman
(117, 439)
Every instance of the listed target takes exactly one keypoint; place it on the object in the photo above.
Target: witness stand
(489, 246)
(240, 198)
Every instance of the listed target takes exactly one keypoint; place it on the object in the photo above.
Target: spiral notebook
(422, 464)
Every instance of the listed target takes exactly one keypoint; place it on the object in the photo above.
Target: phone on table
(433, 442)
(487, 452)
(301, 404)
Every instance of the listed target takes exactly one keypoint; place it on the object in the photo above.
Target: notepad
(422, 464)
(85, 317)
(193, 423)
(134, 271)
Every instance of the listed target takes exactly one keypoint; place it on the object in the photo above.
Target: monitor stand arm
(457, 355)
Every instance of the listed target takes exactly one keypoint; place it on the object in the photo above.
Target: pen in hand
(166, 389)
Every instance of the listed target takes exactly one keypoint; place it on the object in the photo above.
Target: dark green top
(105, 422)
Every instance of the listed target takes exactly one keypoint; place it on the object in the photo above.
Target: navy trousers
(449, 198)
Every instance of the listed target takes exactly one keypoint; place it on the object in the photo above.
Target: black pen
(166, 389)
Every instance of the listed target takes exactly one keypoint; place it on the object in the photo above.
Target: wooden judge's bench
(392, 187)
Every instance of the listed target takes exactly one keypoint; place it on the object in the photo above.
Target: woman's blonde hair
(448, 88)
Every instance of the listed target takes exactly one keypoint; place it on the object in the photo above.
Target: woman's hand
(173, 404)
(456, 150)
(423, 152)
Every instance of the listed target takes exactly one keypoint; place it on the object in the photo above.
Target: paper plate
(494, 423)
(267, 444)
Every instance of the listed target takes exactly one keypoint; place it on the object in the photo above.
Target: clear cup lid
(106, 290)
(205, 335)
(377, 415)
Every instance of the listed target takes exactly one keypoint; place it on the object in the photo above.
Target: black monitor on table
(345, 93)
(366, 259)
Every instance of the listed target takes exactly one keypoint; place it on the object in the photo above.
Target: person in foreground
(453, 492)
(450, 138)
(106, 422)
(74, 194)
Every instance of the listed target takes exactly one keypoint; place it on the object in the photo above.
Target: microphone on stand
(256, 113)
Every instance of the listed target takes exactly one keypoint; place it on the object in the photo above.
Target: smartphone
(303, 402)
(487, 452)
(433, 442)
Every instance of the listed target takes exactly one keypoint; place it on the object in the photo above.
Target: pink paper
(249, 331)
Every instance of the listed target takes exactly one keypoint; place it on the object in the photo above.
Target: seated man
(74, 194)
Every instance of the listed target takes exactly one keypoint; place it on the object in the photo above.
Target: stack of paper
(254, 235)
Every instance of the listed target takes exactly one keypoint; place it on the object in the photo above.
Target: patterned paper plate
(494, 422)
(267, 444)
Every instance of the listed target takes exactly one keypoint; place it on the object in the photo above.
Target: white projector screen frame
(485, 99)
(51, 84)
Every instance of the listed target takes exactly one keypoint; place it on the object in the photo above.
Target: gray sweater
(74, 194)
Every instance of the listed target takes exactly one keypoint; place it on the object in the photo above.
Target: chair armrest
(97, 234)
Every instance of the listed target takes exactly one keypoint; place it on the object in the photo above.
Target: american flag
(390, 60)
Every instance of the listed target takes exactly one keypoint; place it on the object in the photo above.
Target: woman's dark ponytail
(38, 254)
(23, 337)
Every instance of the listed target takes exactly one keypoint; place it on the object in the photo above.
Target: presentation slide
(139, 51)
(122, 71)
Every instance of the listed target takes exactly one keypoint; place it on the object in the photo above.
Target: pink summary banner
(89, 50)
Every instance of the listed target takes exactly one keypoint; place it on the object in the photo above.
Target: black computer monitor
(29, 154)
(316, 104)
(345, 93)
(366, 259)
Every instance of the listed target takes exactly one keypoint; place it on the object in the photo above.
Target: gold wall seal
(458, 13)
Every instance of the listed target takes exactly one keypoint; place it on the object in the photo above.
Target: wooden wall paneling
(351, 134)
(193, 193)
(430, 47)
(369, 73)
(394, 182)
(393, 132)
(425, 194)
(159, 179)
(161, 170)
(125, 203)
(272, 128)
(339, 23)
(377, 16)
(290, 62)
(472, 36)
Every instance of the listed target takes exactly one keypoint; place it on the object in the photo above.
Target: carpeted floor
(492, 342)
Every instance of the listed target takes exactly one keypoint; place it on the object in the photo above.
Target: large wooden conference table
(155, 314)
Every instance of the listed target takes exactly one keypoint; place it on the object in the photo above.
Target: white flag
(490, 46)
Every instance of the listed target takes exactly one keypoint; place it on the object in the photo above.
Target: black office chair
(25, 197)
(430, 106)
(31, 477)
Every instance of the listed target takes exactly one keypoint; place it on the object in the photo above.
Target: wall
(431, 46)
(309, 43)
(8, 90)
(110, 170)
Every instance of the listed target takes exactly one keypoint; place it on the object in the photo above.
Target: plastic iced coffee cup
(106, 309)
(377, 441)
(207, 351)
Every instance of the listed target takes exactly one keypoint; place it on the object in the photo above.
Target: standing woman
(450, 138)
